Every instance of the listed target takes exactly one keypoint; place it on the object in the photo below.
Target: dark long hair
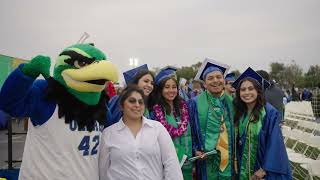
(135, 81)
(159, 99)
(240, 107)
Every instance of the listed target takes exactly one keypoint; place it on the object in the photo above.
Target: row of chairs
(301, 136)
(304, 151)
(305, 126)
(301, 109)
(304, 117)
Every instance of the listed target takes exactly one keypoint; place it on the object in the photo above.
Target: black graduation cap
(250, 73)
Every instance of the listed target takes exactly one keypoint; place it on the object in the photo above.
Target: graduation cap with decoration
(130, 74)
(208, 66)
(250, 73)
(165, 72)
(230, 77)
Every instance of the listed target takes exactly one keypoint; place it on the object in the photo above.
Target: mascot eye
(79, 64)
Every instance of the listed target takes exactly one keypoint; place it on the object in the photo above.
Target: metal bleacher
(302, 139)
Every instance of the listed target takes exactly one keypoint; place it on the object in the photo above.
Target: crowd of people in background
(296, 94)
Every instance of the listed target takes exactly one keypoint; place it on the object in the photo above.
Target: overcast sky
(240, 33)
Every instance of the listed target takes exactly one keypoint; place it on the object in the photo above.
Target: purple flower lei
(181, 129)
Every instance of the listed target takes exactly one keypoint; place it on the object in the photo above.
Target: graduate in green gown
(172, 111)
(211, 120)
(261, 151)
(141, 77)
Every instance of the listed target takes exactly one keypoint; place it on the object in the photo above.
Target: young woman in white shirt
(136, 147)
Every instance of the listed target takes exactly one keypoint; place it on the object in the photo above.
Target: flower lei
(181, 129)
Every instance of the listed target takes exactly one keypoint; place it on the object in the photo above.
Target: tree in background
(312, 77)
(288, 74)
(236, 73)
(293, 75)
(186, 72)
(155, 70)
(277, 71)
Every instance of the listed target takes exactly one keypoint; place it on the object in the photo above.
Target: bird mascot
(67, 112)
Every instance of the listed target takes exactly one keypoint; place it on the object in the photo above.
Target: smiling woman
(259, 141)
(132, 105)
(137, 147)
(144, 79)
(172, 112)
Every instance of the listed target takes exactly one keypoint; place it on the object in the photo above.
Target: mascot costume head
(80, 76)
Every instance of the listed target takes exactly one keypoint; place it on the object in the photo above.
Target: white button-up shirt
(149, 155)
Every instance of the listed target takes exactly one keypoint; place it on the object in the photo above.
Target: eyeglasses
(134, 101)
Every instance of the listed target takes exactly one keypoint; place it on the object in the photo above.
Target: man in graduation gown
(211, 123)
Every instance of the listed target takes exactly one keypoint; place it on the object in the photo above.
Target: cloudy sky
(167, 32)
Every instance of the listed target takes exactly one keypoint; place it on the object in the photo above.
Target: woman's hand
(201, 154)
(259, 174)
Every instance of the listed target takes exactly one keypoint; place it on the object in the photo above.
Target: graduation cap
(230, 77)
(165, 72)
(208, 66)
(250, 73)
(129, 75)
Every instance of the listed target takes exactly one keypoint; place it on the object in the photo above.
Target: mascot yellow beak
(91, 78)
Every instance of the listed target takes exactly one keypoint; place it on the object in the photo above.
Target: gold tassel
(235, 165)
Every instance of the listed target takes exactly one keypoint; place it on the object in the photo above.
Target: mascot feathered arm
(19, 93)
